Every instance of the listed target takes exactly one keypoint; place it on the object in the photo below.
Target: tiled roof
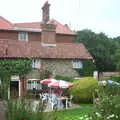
(21, 49)
(61, 29)
(5, 24)
(33, 26)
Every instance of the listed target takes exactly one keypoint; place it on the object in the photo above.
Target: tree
(117, 58)
(100, 47)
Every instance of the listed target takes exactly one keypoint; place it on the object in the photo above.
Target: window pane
(77, 64)
(36, 63)
(23, 35)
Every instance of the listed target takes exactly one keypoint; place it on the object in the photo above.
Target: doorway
(14, 89)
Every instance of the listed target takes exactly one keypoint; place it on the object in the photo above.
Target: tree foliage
(101, 47)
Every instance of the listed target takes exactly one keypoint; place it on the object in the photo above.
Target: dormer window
(23, 36)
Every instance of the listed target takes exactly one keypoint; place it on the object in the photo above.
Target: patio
(53, 96)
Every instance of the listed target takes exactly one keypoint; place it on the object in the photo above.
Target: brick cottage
(48, 43)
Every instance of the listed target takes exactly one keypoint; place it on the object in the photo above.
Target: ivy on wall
(9, 67)
(88, 68)
(15, 66)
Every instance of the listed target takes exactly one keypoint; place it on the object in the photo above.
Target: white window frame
(77, 64)
(33, 83)
(23, 36)
(36, 63)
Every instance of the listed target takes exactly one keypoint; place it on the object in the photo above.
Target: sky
(97, 15)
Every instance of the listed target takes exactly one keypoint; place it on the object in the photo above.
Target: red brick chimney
(46, 12)
(48, 32)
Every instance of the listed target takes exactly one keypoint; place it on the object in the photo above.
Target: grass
(80, 113)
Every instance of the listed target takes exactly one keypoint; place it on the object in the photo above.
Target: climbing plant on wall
(88, 68)
(9, 67)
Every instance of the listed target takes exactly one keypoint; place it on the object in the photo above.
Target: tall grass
(26, 110)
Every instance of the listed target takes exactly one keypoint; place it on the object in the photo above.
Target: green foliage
(45, 74)
(107, 105)
(69, 79)
(25, 110)
(101, 48)
(9, 67)
(79, 113)
(83, 89)
(88, 68)
(15, 66)
(117, 58)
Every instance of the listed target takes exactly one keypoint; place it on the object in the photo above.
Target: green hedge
(83, 89)
(88, 68)
(69, 79)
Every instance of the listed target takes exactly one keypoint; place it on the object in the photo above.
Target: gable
(5, 24)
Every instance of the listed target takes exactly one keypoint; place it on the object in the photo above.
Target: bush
(82, 89)
(45, 74)
(69, 79)
(107, 105)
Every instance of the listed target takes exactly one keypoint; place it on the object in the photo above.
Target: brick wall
(108, 74)
(65, 38)
(32, 36)
(8, 35)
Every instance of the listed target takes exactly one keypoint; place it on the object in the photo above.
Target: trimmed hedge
(83, 89)
(69, 79)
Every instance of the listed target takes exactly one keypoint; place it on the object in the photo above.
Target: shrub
(82, 89)
(45, 74)
(69, 79)
(108, 104)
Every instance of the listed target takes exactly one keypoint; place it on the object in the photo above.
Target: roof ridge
(6, 20)
(60, 24)
(28, 22)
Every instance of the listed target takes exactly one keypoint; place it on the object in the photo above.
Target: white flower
(108, 117)
(111, 116)
(98, 114)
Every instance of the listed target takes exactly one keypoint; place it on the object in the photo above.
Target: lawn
(80, 113)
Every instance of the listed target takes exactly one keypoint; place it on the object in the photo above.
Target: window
(33, 83)
(36, 63)
(23, 36)
(77, 64)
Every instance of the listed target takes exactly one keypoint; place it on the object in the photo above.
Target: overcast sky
(97, 15)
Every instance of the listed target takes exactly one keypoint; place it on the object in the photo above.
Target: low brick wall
(108, 74)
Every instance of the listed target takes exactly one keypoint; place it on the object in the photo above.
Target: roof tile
(5, 24)
(22, 49)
